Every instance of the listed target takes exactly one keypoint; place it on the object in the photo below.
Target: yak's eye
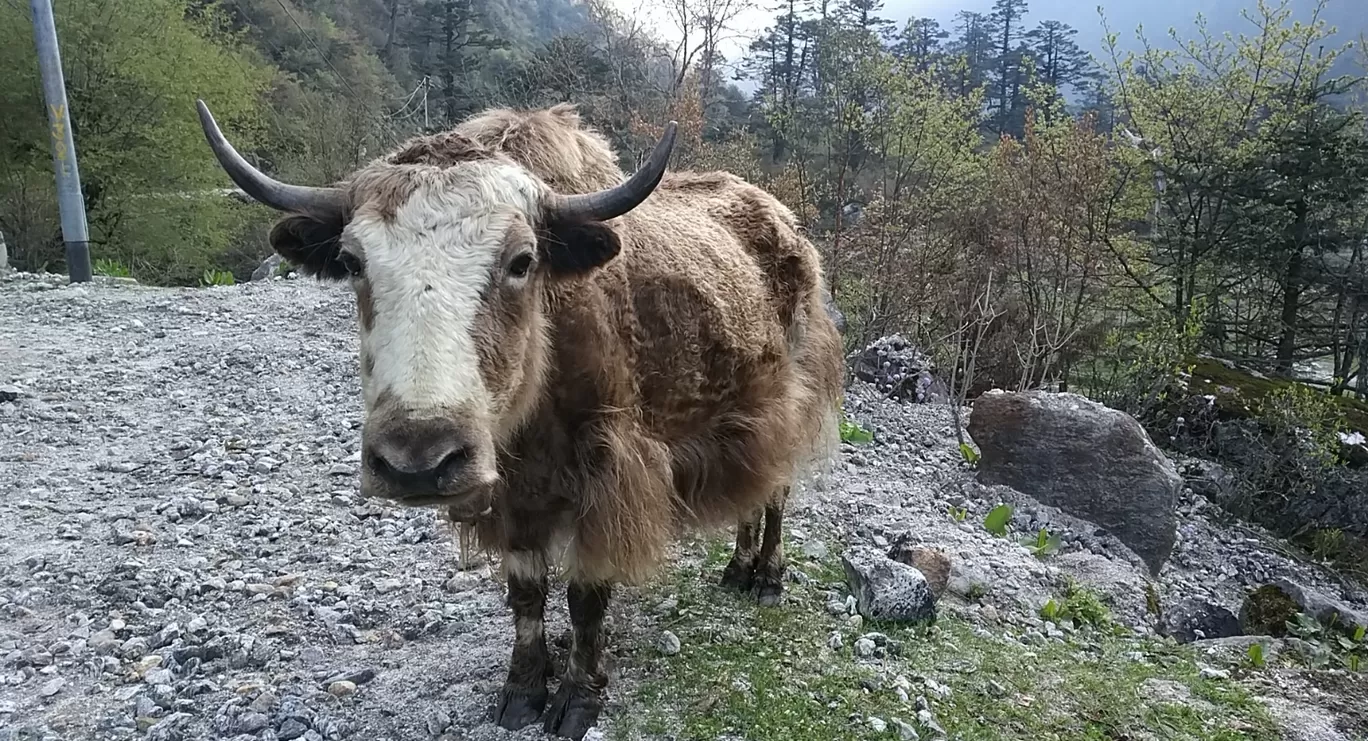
(351, 263)
(520, 265)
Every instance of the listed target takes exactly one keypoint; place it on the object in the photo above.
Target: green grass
(767, 674)
(111, 268)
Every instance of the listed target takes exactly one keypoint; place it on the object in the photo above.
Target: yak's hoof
(738, 576)
(768, 589)
(574, 710)
(519, 706)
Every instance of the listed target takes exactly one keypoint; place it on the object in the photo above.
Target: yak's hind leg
(740, 571)
(768, 584)
(578, 702)
(523, 696)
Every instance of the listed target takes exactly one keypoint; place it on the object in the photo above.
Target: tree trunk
(389, 35)
(1287, 338)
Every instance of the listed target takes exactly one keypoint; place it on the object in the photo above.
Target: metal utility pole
(70, 203)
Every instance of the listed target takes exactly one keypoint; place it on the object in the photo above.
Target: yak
(574, 364)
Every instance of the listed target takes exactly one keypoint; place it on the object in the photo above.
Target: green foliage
(1140, 361)
(217, 278)
(958, 514)
(1328, 544)
(1081, 606)
(1043, 544)
(1328, 645)
(852, 432)
(133, 71)
(1300, 445)
(112, 268)
(1256, 655)
(997, 519)
(968, 453)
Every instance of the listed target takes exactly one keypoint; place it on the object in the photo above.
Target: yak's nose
(420, 455)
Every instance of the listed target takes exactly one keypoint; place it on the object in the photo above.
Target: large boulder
(1088, 460)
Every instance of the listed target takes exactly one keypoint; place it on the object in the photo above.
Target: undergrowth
(770, 674)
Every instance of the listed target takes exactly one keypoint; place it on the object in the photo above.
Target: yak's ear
(311, 245)
(576, 248)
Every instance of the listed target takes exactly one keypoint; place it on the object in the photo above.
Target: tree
(1060, 63)
(1308, 181)
(921, 42)
(458, 44)
(133, 71)
(1006, 22)
(973, 48)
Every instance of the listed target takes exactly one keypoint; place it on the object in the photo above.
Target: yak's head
(450, 260)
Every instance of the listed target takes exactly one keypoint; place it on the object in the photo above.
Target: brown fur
(682, 384)
(686, 379)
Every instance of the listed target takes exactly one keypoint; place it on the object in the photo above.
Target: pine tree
(458, 44)
(973, 46)
(1006, 22)
(1060, 62)
(920, 42)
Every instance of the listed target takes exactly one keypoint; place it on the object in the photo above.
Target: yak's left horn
(618, 200)
(320, 202)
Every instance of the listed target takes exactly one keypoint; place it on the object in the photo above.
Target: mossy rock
(1266, 611)
(1238, 392)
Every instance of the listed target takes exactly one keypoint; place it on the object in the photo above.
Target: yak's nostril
(379, 465)
(453, 461)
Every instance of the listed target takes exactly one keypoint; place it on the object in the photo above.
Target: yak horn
(618, 200)
(323, 202)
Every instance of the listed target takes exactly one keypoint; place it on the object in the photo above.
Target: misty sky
(1122, 16)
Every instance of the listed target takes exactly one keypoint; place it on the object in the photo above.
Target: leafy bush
(1080, 606)
(112, 268)
(1138, 365)
(216, 278)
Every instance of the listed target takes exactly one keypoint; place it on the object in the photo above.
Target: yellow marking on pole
(58, 130)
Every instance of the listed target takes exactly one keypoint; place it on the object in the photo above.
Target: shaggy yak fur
(682, 371)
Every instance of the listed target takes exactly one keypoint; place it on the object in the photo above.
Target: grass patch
(768, 674)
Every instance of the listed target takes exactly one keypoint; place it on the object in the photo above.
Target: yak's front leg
(523, 696)
(579, 700)
(740, 571)
(770, 564)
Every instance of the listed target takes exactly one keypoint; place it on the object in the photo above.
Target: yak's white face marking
(426, 269)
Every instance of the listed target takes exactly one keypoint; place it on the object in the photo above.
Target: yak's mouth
(471, 503)
(467, 516)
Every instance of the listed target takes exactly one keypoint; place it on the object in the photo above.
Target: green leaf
(970, 455)
(1359, 633)
(997, 519)
(853, 433)
(1256, 654)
